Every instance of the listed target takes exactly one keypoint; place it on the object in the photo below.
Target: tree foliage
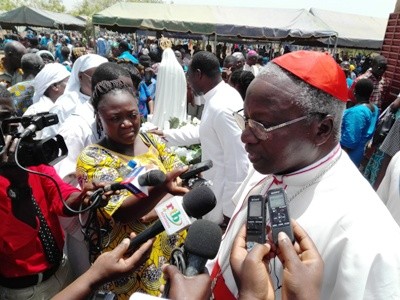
(84, 8)
(90, 7)
(51, 5)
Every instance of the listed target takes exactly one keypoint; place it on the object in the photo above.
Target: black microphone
(39, 122)
(196, 204)
(201, 244)
(150, 178)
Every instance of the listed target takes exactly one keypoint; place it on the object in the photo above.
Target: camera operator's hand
(250, 269)
(8, 169)
(196, 288)
(303, 266)
(85, 197)
(90, 187)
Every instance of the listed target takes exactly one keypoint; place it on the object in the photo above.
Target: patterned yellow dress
(96, 164)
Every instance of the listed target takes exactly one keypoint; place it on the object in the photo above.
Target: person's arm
(188, 135)
(235, 159)
(353, 126)
(107, 267)
(151, 105)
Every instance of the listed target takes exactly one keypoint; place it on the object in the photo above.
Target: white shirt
(220, 141)
(389, 189)
(355, 234)
(253, 69)
(78, 131)
(64, 106)
(44, 104)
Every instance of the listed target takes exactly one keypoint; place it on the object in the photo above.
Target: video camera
(32, 152)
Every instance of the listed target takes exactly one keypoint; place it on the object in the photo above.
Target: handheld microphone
(201, 244)
(138, 181)
(195, 203)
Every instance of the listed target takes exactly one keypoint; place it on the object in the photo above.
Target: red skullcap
(317, 69)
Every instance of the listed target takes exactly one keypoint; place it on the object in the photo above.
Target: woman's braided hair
(106, 86)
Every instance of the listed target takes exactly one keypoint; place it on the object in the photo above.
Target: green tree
(12, 4)
(89, 7)
(51, 5)
(7, 5)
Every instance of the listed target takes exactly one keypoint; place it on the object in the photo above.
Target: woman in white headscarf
(78, 89)
(49, 85)
(170, 91)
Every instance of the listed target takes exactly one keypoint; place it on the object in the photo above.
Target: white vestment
(78, 131)
(65, 105)
(354, 232)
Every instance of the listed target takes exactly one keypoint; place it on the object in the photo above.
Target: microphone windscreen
(152, 178)
(199, 201)
(203, 239)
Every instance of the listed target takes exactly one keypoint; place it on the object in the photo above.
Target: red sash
(220, 290)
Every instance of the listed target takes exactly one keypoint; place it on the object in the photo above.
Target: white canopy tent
(354, 31)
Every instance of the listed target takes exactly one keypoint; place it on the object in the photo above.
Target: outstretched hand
(112, 265)
(172, 182)
(107, 267)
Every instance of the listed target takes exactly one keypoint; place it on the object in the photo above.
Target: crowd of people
(298, 120)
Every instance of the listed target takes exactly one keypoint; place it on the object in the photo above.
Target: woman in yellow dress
(118, 117)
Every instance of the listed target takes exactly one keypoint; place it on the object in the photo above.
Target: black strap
(51, 250)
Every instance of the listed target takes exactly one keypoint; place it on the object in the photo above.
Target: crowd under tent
(28, 16)
(218, 21)
(354, 31)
